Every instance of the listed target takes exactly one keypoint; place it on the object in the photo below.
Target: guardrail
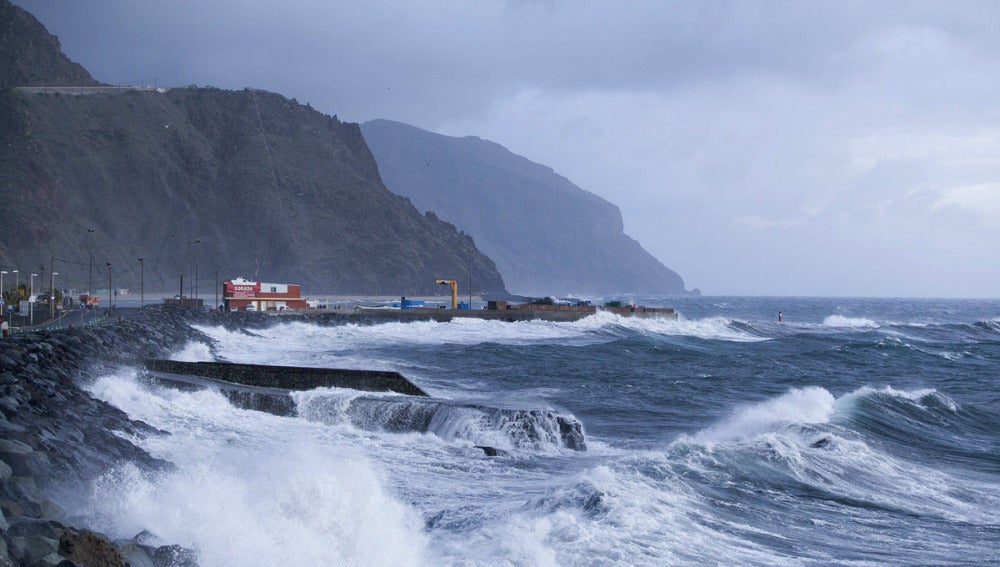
(66, 320)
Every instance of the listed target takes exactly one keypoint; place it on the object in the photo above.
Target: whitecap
(806, 406)
(849, 322)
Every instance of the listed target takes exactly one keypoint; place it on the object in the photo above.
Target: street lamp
(17, 283)
(142, 282)
(194, 282)
(109, 289)
(52, 294)
(31, 301)
(90, 262)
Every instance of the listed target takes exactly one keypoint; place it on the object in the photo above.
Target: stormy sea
(853, 432)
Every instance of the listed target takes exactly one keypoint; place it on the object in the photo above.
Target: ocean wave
(194, 351)
(711, 328)
(922, 397)
(849, 322)
(812, 438)
(249, 488)
(810, 405)
(286, 342)
(638, 511)
(505, 429)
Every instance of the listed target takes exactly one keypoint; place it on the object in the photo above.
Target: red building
(259, 296)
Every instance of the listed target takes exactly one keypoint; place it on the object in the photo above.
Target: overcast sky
(757, 148)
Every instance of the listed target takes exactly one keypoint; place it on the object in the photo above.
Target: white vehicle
(252, 307)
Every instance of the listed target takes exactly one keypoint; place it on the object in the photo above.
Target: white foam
(645, 516)
(341, 344)
(812, 405)
(711, 328)
(784, 430)
(849, 322)
(194, 351)
(916, 396)
(251, 488)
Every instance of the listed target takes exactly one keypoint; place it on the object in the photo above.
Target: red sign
(242, 290)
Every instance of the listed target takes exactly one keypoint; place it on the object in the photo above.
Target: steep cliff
(270, 188)
(547, 235)
(31, 56)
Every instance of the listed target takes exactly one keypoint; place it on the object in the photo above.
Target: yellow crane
(454, 291)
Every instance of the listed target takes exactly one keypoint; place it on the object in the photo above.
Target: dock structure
(502, 311)
(290, 377)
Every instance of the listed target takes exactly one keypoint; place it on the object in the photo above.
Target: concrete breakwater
(501, 311)
(291, 377)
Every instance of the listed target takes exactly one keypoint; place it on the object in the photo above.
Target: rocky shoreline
(54, 435)
(56, 439)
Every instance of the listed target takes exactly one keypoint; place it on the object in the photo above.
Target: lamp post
(52, 296)
(142, 282)
(109, 289)
(2, 272)
(90, 262)
(17, 283)
(31, 301)
(194, 282)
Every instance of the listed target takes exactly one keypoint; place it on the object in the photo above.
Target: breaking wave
(499, 428)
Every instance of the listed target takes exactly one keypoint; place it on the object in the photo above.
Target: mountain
(547, 235)
(31, 56)
(269, 188)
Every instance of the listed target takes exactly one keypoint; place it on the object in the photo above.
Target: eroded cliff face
(235, 183)
(272, 189)
(31, 56)
(547, 235)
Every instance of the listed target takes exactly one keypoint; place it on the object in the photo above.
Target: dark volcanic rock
(56, 434)
(88, 548)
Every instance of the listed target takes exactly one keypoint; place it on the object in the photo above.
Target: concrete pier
(290, 377)
(555, 313)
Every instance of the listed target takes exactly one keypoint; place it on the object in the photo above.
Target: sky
(756, 148)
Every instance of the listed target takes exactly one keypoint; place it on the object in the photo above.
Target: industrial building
(240, 294)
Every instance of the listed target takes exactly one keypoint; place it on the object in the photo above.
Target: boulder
(91, 549)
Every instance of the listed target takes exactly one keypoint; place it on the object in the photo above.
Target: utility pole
(181, 296)
(194, 282)
(216, 289)
(52, 287)
(109, 289)
(31, 301)
(90, 262)
(142, 283)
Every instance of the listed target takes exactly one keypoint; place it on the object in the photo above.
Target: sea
(852, 432)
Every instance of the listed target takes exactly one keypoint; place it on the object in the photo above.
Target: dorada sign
(244, 290)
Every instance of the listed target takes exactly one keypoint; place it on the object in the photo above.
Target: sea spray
(250, 488)
(799, 406)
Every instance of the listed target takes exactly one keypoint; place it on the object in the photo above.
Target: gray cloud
(848, 148)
